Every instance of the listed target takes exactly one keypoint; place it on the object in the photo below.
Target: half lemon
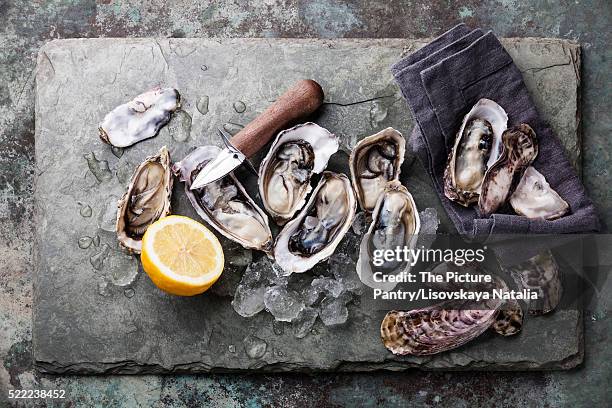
(181, 256)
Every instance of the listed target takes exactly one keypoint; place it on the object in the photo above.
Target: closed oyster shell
(477, 146)
(509, 319)
(224, 204)
(534, 198)
(519, 150)
(146, 200)
(395, 223)
(374, 161)
(284, 174)
(140, 118)
(313, 235)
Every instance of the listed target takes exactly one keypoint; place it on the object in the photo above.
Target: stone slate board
(87, 320)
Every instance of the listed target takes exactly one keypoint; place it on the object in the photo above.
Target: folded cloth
(441, 82)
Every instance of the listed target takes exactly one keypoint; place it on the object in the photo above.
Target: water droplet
(180, 126)
(231, 348)
(103, 288)
(97, 260)
(85, 210)
(232, 128)
(204, 67)
(129, 293)
(85, 242)
(123, 267)
(314, 331)
(96, 241)
(99, 168)
(117, 151)
(239, 106)
(280, 353)
(202, 105)
(278, 327)
(254, 346)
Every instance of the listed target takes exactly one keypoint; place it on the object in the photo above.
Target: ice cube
(284, 305)
(304, 322)
(249, 300)
(333, 311)
(329, 285)
(359, 223)
(343, 268)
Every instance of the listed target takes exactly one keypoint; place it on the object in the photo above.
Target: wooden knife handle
(299, 101)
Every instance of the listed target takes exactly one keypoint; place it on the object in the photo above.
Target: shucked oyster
(224, 204)
(395, 223)
(284, 174)
(313, 235)
(374, 161)
(534, 198)
(146, 200)
(519, 150)
(477, 146)
(140, 118)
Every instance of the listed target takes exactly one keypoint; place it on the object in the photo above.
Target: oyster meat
(395, 223)
(519, 150)
(534, 198)
(225, 204)
(295, 155)
(374, 161)
(477, 146)
(140, 118)
(146, 200)
(313, 235)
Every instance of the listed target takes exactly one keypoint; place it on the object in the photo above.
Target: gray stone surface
(86, 320)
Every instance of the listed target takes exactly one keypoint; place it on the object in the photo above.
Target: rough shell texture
(313, 235)
(140, 118)
(285, 173)
(535, 198)
(395, 223)
(509, 319)
(374, 161)
(519, 150)
(224, 204)
(477, 146)
(542, 275)
(146, 200)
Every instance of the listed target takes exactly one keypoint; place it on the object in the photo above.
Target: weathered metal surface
(26, 25)
(90, 318)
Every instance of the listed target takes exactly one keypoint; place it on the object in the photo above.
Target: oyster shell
(313, 235)
(534, 198)
(224, 204)
(509, 320)
(395, 223)
(374, 161)
(146, 200)
(519, 150)
(476, 148)
(295, 155)
(140, 118)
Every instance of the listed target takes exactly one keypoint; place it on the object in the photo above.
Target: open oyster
(146, 200)
(295, 155)
(476, 148)
(374, 161)
(224, 204)
(534, 198)
(519, 150)
(313, 235)
(140, 118)
(395, 223)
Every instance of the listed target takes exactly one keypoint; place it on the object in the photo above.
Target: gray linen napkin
(441, 84)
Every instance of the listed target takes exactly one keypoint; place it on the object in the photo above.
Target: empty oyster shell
(477, 146)
(146, 200)
(140, 118)
(534, 198)
(313, 235)
(374, 161)
(395, 223)
(519, 150)
(224, 204)
(284, 174)
(540, 274)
